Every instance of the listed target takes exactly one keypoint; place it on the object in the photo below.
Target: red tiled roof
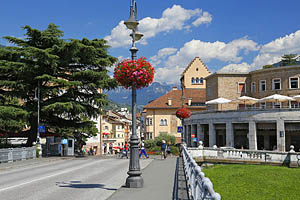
(197, 95)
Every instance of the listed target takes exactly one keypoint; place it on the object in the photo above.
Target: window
(201, 80)
(276, 105)
(241, 88)
(197, 80)
(294, 104)
(118, 135)
(198, 104)
(148, 135)
(148, 121)
(294, 83)
(262, 105)
(262, 85)
(70, 143)
(253, 87)
(276, 84)
(163, 122)
(193, 80)
(106, 127)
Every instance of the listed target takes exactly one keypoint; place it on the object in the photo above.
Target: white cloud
(174, 65)
(168, 75)
(270, 53)
(206, 18)
(119, 36)
(284, 45)
(174, 18)
(162, 54)
(236, 68)
(212, 50)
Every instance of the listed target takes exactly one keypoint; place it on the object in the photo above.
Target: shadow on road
(79, 185)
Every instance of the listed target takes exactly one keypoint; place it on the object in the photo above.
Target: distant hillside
(1, 46)
(116, 106)
(144, 95)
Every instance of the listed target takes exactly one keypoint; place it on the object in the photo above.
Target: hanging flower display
(183, 113)
(134, 72)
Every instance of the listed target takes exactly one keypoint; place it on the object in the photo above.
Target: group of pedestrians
(165, 150)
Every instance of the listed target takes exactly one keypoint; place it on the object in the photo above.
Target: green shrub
(170, 139)
(37, 152)
(174, 150)
(150, 143)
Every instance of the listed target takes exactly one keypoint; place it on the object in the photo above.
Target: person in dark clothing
(163, 149)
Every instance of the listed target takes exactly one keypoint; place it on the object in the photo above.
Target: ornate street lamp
(134, 180)
(37, 98)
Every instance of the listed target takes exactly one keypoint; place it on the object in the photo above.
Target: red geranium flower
(183, 113)
(134, 72)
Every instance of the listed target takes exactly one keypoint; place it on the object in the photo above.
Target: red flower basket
(183, 113)
(134, 72)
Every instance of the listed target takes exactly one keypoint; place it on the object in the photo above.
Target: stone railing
(230, 155)
(199, 186)
(14, 154)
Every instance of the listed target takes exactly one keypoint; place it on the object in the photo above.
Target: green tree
(288, 59)
(267, 66)
(69, 74)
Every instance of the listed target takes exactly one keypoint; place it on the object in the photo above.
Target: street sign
(42, 129)
(64, 141)
(194, 139)
(179, 129)
(193, 135)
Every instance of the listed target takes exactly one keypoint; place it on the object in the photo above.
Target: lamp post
(134, 180)
(182, 100)
(37, 98)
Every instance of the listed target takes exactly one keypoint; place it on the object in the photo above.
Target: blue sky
(231, 35)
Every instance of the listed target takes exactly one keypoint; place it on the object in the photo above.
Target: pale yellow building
(160, 115)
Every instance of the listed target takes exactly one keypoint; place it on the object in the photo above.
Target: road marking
(45, 177)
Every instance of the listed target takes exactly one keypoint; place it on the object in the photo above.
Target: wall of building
(196, 69)
(226, 86)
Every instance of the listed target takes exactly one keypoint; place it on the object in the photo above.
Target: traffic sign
(194, 139)
(179, 129)
(193, 135)
(42, 129)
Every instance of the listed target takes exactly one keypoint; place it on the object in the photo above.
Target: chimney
(169, 101)
(189, 101)
(174, 88)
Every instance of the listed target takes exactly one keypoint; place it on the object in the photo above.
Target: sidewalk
(158, 182)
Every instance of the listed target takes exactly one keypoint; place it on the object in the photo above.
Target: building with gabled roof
(160, 115)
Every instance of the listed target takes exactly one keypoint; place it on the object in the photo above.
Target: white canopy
(276, 98)
(218, 101)
(297, 97)
(245, 100)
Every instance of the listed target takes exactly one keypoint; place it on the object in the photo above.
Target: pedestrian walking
(143, 150)
(125, 151)
(163, 149)
(169, 148)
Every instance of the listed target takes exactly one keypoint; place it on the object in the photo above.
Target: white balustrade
(199, 186)
(13, 154)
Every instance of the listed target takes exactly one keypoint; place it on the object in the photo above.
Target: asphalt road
(80, 178)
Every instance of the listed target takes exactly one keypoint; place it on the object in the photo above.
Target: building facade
(159, 114)
(264, 125)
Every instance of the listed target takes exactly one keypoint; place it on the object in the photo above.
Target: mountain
(144, 95)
